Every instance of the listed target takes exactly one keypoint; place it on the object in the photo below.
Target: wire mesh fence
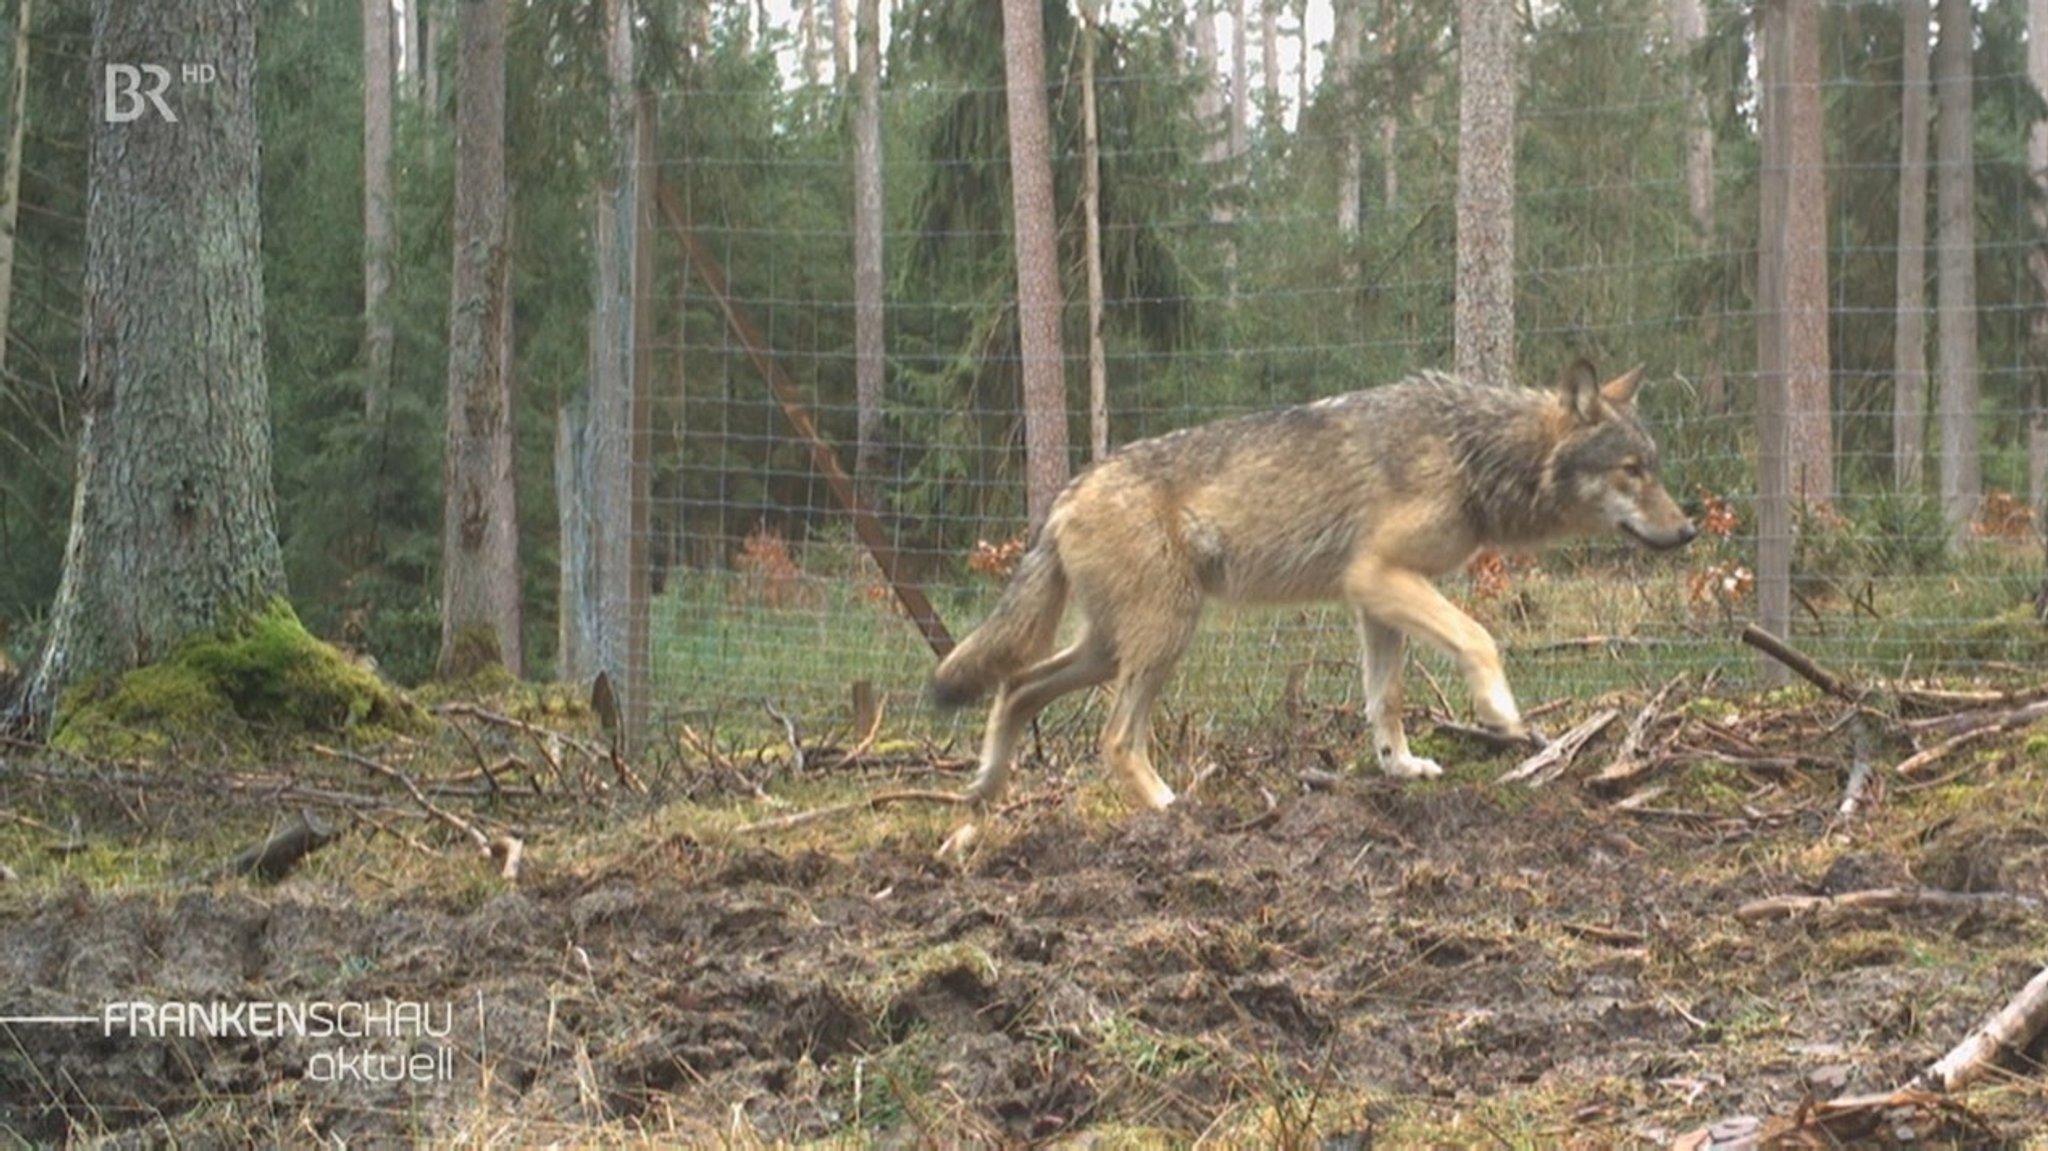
(1236, 282)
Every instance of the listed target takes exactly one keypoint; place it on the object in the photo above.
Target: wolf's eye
(1634, 470)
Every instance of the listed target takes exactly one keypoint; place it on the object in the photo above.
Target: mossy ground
(261, 679)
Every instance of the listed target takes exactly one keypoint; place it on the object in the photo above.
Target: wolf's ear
(1622, 389)
(1580, 388)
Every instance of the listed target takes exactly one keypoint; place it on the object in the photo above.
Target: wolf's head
(1606, 465)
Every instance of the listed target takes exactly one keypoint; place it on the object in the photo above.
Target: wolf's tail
(1018, 631)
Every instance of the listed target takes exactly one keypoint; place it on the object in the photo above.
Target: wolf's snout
(1662, 539)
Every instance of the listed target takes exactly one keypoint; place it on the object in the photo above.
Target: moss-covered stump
(265, 678)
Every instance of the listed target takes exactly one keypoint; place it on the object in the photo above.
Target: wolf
(1364, 497)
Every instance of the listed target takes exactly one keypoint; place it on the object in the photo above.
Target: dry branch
(1801, 663)
(871, 803)
(2012, 1028)
(1629, 760)
(275, 857)
(1887, 899)
(879, 707)
(1557, 758)
(505, 849)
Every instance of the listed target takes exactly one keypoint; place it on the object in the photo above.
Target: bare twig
(881, 709)
(1887, 899)
(1557, 758)
(1800, 663)
(1629, 760)
(1921, 760)
(1861, 775)
(505, 848)
(2012, 1028)
(796, 743)
(831, 811)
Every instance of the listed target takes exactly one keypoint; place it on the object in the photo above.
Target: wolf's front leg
(1401, 598)
(1383, 651)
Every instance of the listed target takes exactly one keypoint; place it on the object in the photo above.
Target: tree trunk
(1774, 460)
(1486, 191)
(1236, 145)
(1301, 56)
(432, 26)
(480, 605)
(1688, 28)
(1209, 106)
(1390, 124)
(1909, 334)
(10, 183)
(1038, 271)
(843, 35)
(1344, 40)
(604, 513)
(173, 530)
(1809, 403)
(379, 332)
(812, 46)
(870, 365)
(2037, 263)
(638, 687)
(1091, 216)
(413, 70)
(1962, 481)
(1269, 61)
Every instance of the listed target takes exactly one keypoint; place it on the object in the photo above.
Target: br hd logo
(132, 91)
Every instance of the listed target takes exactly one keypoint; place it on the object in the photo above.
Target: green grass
(719, 655)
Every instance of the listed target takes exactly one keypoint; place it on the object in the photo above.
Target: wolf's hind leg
(1149, 638)
(1128, 733)
(1383, 652)
(1084, 663)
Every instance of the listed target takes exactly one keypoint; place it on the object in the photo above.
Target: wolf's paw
(1406, 766)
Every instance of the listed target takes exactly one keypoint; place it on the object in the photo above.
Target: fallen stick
(1800, 663)
(1629, 760)
(1886, 899)
(2012, 1028)
(1557, 758)
(871, 803)
(1856, 791)
(506, 849)
(275, 857)
(1926, 757)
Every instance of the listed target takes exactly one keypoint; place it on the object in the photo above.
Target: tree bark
(1091, 216)
(1774, 467)
(2037, 264)
(1688, 29)
(1485, 308)
(1269, 60)
(432, 26)
(10, 182)
(1909, 333)
(480, 603)
(603, 511)
(1038, 272)
(870, 365)
(173, 529)
(379, 330)
(1809, 394)
(1345, 36)
(1962, 483)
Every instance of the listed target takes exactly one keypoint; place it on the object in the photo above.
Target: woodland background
(1279, 209)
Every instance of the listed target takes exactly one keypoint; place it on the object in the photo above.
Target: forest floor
(1300, 955)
